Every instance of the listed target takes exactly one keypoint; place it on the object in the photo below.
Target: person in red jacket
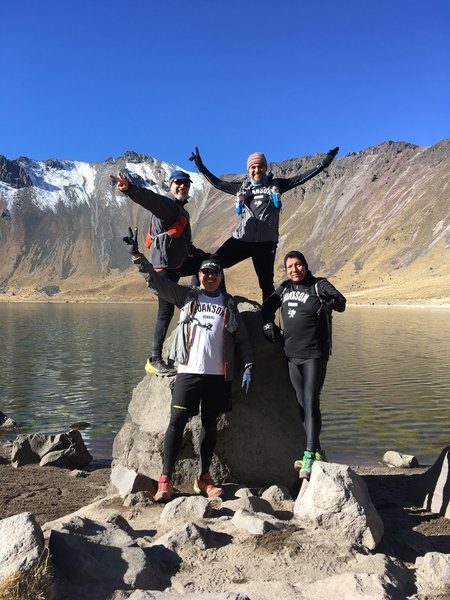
(171, 251)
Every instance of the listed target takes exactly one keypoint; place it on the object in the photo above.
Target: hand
(330, 156)
(122, 183)
(131, 241)
(330, 305)
(195, 156)
(247, 378)
(269, 331)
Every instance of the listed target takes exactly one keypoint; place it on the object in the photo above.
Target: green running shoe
(308, 459)
(321, 455)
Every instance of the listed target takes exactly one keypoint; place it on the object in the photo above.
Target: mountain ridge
(376, 222)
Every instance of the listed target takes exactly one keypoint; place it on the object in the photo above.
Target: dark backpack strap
(327, 312)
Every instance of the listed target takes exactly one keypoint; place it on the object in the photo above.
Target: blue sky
(90, 79)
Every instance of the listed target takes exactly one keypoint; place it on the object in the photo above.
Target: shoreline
(421, 305)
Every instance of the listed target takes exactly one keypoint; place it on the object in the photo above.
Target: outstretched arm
(292, 182)
(229, 187)
(167, 289)
(161, 206)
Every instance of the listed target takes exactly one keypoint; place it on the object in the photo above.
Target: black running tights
(183, 407)
(307, 380)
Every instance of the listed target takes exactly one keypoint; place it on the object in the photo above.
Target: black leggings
(234, 251)
(165, 308)
(307, 380)
(189, 390)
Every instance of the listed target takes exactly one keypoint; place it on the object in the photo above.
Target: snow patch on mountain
(72, 183)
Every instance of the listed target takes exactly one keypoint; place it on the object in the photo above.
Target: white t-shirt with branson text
(207, 337)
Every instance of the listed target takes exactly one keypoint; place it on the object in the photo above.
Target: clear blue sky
(89, 79)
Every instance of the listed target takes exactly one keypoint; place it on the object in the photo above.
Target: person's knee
(178, 419)
(209, 422)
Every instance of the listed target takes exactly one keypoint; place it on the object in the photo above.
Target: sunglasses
(210, 272)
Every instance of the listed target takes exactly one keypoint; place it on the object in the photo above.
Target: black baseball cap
(213, 264)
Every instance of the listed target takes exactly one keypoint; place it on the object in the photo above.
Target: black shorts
(211, 391)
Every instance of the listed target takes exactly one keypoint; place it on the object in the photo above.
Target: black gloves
(195, 156)
(326, 162)
(131, 241)
(269, 331)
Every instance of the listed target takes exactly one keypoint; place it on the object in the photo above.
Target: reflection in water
(66, 363)
(388, 382)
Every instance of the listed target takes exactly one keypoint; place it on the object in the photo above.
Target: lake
(387, 388)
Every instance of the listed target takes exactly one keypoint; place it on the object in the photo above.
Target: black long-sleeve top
(307, 333)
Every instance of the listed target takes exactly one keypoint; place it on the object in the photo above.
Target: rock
(403, 461)
(102, 509)
(243, 492)
(256, 523)
(336, 499)
(276, 493)
(65, 450)
(257, 441)
(433, 570)
(139, 498)
(6, 422)
(151, 595)
(351, 586)
(187, 509)
(189, 533)
(22, 544)
(128, 481)
(433, 490)
(90, 552)
(387, 567)
(77, 473)
(250, 503)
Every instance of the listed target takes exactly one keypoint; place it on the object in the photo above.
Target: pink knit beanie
(257, 158)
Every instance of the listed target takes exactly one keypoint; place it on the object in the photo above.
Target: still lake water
(387, 388)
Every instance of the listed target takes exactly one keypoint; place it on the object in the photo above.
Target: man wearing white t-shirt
(204, 344)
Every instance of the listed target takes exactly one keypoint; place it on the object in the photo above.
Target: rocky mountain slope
(376, 222)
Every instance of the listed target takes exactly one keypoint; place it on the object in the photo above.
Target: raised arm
(292, 182)
(167, 289)
(229, 187)
(161, 206)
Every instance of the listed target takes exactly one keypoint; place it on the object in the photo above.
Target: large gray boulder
(21, 544)
(433, 489)
(65, 450)
(336, 499)
(88, 552)
(258, 440)
(433, 571)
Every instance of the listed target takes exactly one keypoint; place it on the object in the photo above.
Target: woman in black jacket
(306, 303)
(258, 203)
